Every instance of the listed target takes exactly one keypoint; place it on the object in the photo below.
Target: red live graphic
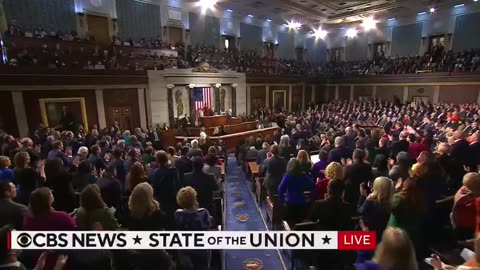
(357, 240)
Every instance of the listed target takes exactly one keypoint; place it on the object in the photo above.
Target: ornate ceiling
(328, 11)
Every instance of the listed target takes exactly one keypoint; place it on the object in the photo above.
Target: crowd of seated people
(412, 168)
(107, 180)
(137, 55)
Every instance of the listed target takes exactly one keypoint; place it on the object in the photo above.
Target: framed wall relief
(63, 113)
(279, 100)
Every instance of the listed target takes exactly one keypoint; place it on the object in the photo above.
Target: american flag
(202, 96)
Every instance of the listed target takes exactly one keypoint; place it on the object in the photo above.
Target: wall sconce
(170, 86)
(218, 85)
(234, 85)
(191, 85)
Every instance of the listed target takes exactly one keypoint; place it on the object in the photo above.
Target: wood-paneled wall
(118, 98)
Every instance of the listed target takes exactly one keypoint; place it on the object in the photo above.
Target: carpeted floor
(242, 214)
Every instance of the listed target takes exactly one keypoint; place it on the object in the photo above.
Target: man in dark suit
(110, 188)
(459, 150)
(273, 169)
(355, 174)
(183, 164)
(117, 163)
(203, 183)
(57, 152)
(262, 154)
(165, 185)
(474, 149)
(333, 213)
(95, 159)
(339, 152)
(400, 146)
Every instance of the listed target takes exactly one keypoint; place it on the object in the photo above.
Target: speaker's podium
(213, 121)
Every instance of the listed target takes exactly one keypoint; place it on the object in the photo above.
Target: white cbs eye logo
(24, 240)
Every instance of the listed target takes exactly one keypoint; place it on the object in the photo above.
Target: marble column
(20, 113)
(267, 95)
(290, 90)
(141, 107)
(436, 94)
(102, 122)
(248, 100)
(313, 93)
(405, 94)
(352, 92)
(303, 96)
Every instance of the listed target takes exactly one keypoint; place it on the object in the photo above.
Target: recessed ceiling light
(432, 10)
(250, 15)
(351, 33)
(207, 4)
(269, 20)
(230, 10)
(460, 5)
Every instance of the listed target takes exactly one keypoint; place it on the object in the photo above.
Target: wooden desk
(234, 121)
(254, 167)
(232, 140)
(229, 129)
(213, 121)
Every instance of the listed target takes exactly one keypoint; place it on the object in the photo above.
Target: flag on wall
(202, 96)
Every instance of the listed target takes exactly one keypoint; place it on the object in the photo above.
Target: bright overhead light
(422, 13)
(294, 25)
(230, 10)
(391, 19)
(320, 33)
(269, 20)
(352, 32)
(432, 10)
(460, 5)
(250, 15)
(369, 23)
(207, 4)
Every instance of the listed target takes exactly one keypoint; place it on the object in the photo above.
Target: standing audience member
(395, 252)
(304, 160)
(273, 168)
(334, 171)
(93, 213)
(356, 173)
(318, 169)
(26, 178)
(192, 217)
(464, 210)
(184, 163)
(110, 188)
(135, 176)
(59, 180)
(203, 183)
(291, 190)
(375, 211)
(165, 183)
(83, 176)
(12, 213)
(6, 174)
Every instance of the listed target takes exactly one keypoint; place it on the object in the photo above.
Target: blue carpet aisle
(242, 215)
